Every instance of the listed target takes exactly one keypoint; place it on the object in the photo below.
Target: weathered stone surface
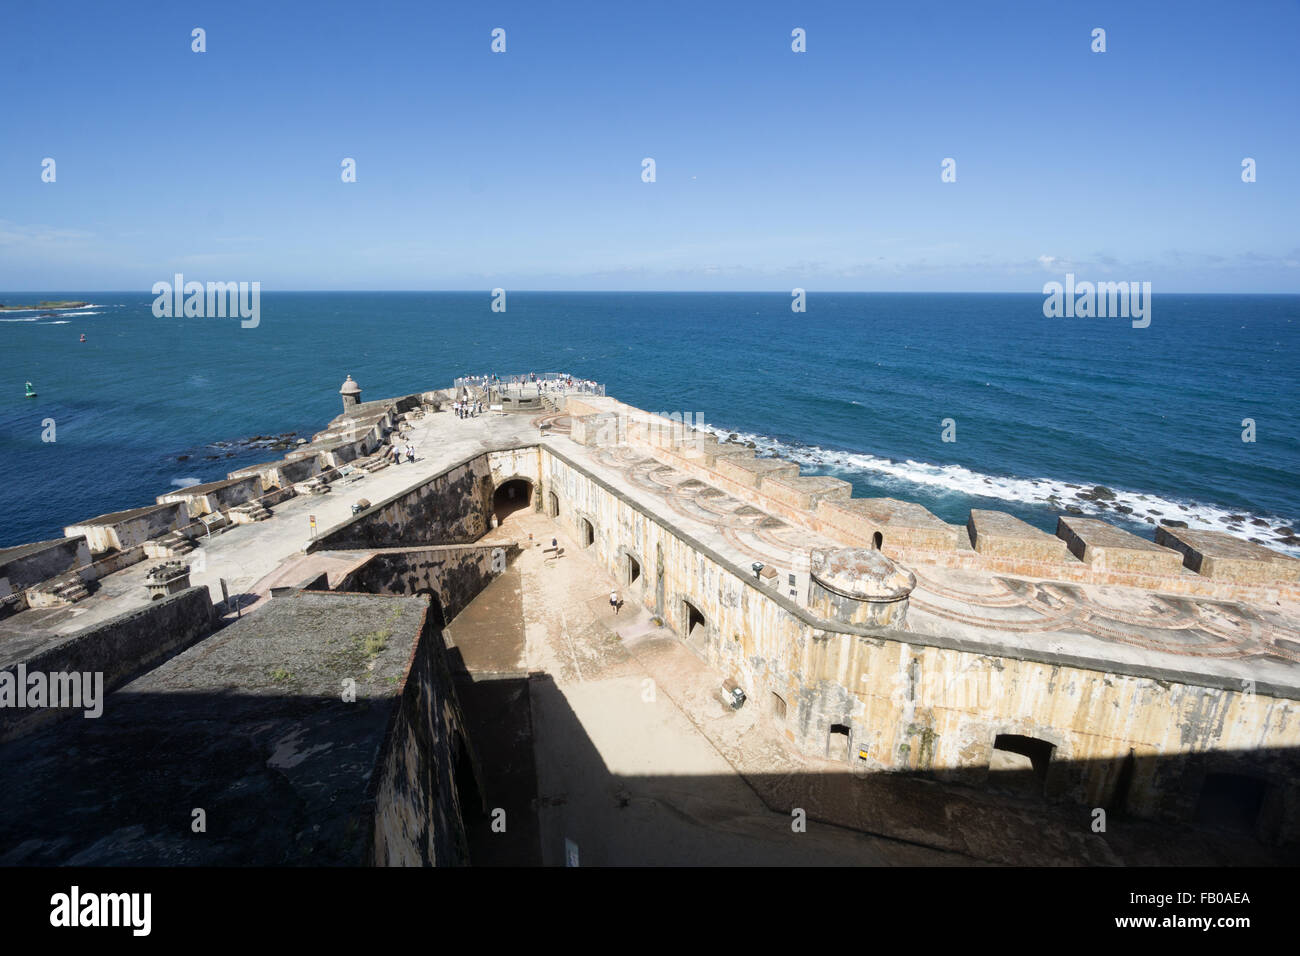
(860, 586)
(123, 530)
(999, 534)
(1217, 554)
(1105, 547)
(29, 564)
(250, 725)
(119, 649)
(901, 524)
(804, 491)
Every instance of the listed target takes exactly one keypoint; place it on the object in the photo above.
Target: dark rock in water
(750, 444)
(230, 454)
(1100, 504)
(1290, 540)
(1102, 493)
(1255, 540)
(1153, 512)
(1068, 485)
(211, 457)
(1259, 522)
(1174, 524)
(1142, 497)
(1236, 517)
(1124, 509)
(1073, 510)
(1149, 520)
(182, 457)
(733, 437)
(1283, 530)
(1085, 495)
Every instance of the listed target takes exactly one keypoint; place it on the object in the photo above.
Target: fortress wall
(124, 530)
(120, 648)
(420, 772)
(452, 507)
(454, 574)
(914, 706)
(1270, 576)
(282, 474)
(782, 502)
(929, 708)
(29, 564)
(215, 496)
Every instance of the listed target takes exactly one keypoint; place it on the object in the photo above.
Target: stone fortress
(965, 688)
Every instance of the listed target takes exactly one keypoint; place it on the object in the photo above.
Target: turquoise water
(858, 386)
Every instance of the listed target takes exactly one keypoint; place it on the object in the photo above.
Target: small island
(42, 305)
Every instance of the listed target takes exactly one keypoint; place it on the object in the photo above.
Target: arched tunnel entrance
(513, 495)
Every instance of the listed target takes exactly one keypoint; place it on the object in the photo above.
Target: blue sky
(774, 169)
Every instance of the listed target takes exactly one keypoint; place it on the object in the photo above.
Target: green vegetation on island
(43, 305)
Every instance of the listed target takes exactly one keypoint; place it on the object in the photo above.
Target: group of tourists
(468, 408)
(400, 451)
(562, 383)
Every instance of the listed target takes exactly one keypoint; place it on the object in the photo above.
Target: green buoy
(31, 392)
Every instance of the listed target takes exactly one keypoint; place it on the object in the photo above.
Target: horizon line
(786, 292)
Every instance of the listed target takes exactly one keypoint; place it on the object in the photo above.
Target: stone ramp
(334, 564)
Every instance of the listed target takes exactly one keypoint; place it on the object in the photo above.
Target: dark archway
(837, 742)
(634, 577)
(694, 622)
(553, 505)
(1020, 763)
(513, 495)
(877, 540)
(587, 532)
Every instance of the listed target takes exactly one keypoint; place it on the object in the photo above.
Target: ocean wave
(1146, 509)
(60, 322)
(185, 482)
(34, 318)
(61, 312)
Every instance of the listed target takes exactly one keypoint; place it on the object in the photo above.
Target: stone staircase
(249, 512)
(62, 591)
(171, 545)
(374, 464)
(312, 486)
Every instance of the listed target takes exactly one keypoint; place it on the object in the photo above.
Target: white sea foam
(60, 322)
(61, 312)
(185, 482)
(1148, 509)
(34, 318)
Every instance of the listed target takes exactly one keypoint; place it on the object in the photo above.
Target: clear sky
(775, 169)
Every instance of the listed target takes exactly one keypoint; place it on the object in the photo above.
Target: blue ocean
(859, 386)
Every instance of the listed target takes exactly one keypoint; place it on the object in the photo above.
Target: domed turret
(351, 393)
(860, 586)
